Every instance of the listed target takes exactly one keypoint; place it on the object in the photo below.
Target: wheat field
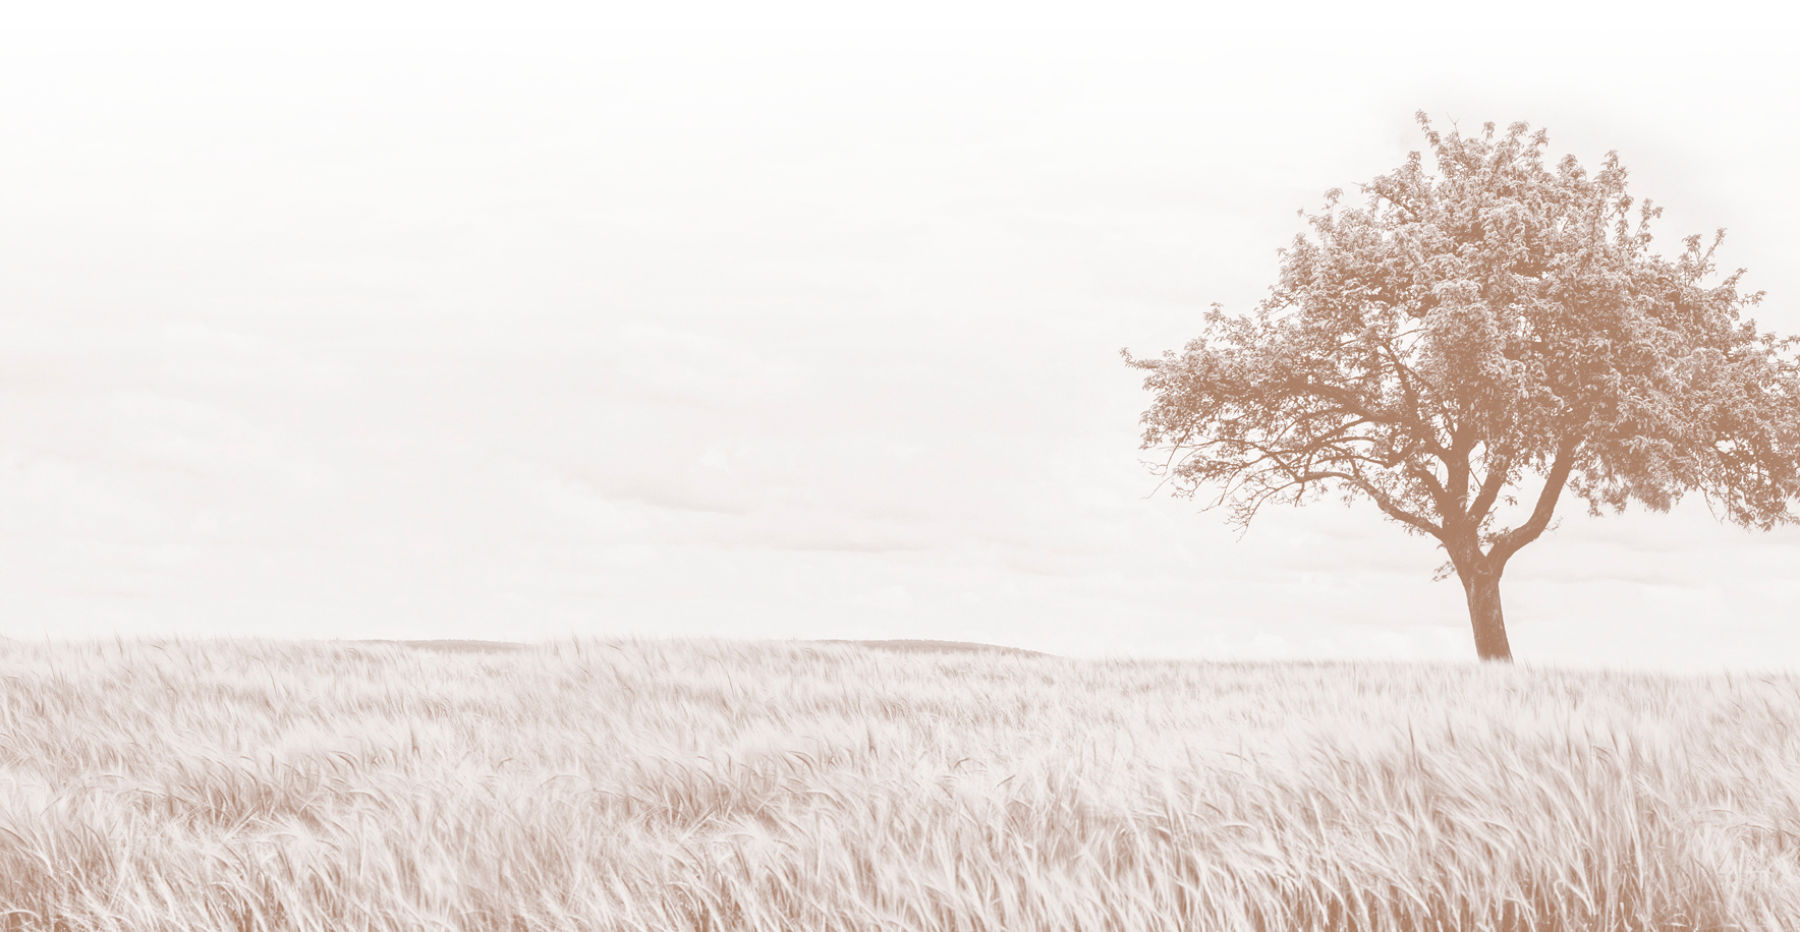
(672, 785)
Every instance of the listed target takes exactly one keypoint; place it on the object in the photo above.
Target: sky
(402, 327)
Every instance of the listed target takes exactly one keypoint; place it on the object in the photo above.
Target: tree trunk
(1482, 586)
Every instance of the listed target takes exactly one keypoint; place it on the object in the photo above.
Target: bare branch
(1490, 490)
(1385, 503)
(1509, 542)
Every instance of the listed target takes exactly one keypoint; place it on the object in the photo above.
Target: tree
(1477, 332)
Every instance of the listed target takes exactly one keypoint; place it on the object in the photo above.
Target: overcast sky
(770, 332)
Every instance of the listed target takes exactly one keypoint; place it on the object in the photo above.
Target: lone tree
(1485, 330)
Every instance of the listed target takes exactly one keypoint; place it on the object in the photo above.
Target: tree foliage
(1468, 328)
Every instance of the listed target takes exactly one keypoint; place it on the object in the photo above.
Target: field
(662, 785)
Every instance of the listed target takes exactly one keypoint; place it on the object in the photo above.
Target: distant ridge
(898, 645)
(922, 645)
(449, 645)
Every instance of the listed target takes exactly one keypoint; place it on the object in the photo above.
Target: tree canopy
(1479, 331)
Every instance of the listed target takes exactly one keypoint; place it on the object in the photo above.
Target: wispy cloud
(363, 341)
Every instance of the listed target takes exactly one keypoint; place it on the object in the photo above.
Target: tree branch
(1490, 490)
(1508, 543)
(1384, 502)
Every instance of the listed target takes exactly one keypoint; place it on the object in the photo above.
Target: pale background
(428, 328)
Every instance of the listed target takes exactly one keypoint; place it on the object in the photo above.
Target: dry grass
(246, 785)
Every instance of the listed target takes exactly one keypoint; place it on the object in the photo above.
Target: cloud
(818, 343)
(670, 497)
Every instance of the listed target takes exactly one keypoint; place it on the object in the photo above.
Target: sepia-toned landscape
(861, 468)
(690, 784)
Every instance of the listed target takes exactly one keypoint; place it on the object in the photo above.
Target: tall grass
(238, 785)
